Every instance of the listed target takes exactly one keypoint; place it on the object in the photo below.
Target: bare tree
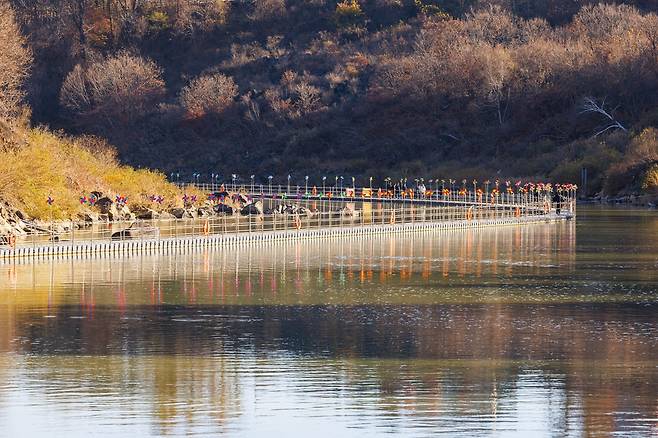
(307, 98)
(497, 69)
(194, 15)
(120, 89)
(590, 105)
(268, 9)
(15, 61)
(208, 94)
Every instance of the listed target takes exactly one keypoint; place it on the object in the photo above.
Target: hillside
(66, 170)
(366, 88)
(46, 175)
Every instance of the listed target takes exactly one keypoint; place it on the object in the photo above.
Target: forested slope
(446, 89)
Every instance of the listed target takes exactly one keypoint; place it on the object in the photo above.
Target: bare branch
(15, 61)
(590, 105)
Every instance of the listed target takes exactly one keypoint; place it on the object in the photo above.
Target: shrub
(644, 147)
(650, 180)
(158, 21)
(348, 14)
(268, 10)
(208, 94)
(199, 15)
(427, 8)
(122, 88)
(15, 60)
(66, 169)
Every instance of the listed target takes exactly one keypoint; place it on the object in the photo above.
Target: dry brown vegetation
(46, 165)
(363, 87)
(15, 60)
(209, 94)
(69, 168)
(115, 90)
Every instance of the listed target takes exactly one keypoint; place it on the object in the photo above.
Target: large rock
(178, 213)
(20, 215)
(104, 205)
(147, 214)
(181, 213)
(113, 213)
(205, 212)
(116, 213)
(222, 209)
(5, 228)
(122, 235)
(255, 208)
(126, 213)
(90, 216)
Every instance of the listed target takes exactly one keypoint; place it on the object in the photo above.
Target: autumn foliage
(117, 89)
(15, 59)
(363, 87)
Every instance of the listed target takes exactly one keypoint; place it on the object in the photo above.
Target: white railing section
(383, 214)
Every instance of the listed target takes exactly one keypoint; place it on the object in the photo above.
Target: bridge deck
(258, 232)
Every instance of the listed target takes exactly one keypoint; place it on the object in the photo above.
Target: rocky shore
(105, 209)
(650, 201)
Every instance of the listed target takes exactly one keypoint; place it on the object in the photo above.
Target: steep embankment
(42, 165)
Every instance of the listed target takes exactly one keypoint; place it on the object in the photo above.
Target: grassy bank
(65, 169)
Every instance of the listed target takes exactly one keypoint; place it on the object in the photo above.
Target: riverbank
(650, 201)
(50, 177)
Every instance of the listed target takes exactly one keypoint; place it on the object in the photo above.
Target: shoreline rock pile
(105, 209)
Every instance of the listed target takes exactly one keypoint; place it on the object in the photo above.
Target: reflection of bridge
(328, 212)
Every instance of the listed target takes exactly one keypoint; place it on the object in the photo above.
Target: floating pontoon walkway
(82, 248)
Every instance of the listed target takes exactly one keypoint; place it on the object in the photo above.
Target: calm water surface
(539, 330)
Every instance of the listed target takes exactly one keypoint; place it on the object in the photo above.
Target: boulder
(249, 210)
(5, 228)
(104, 204)
(178, 213)
(259, 206)
(90, 216)
(205, 212)
(222, 209)
(255, 208)
(125, 212)
(147, 214)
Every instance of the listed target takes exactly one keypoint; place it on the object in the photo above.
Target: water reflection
(480, 332)
(445, 266)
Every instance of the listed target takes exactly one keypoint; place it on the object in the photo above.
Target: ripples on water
(543, 330)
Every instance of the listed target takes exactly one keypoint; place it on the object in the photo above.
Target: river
(534, 330)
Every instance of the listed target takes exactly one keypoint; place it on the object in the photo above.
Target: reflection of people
(557, 201)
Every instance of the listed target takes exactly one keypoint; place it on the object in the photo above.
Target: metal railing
(454, 195)
(385, 213)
